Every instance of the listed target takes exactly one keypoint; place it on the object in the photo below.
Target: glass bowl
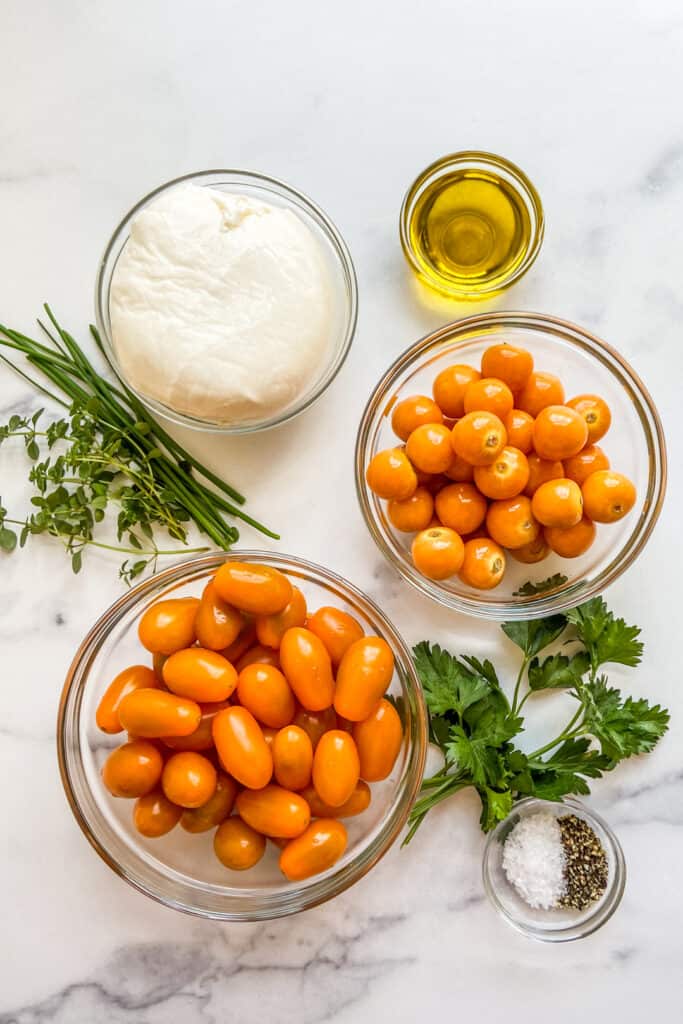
(560, 925)
(486, 166)
(180, 870)
(635, 445)
(341, 274)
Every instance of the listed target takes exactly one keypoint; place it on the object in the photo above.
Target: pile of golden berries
(497, 461)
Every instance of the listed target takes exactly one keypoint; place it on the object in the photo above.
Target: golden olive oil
(469, 230)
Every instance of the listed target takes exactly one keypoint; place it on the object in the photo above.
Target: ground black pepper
(586, 870)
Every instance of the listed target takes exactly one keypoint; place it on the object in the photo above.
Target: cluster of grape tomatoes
(257, 719)
(496, 461)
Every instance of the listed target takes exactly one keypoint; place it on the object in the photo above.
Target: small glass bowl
(560, 925)
(485, 164)
(635, 445)
(342, 276)
(180, 870)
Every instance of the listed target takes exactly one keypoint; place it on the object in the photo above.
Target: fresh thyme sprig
(474, 723)
(107, 451)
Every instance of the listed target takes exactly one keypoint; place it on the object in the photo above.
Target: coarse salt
(534, 860)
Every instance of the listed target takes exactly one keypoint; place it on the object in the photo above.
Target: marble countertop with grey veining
(100, 103)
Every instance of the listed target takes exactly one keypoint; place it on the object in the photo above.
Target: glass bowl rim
(597, 917)
(300, 896)
(542, 604)
(275, 186)
(525, 189)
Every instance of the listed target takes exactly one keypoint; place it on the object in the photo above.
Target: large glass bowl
(180, 870)
(634, 444)
(342, 276)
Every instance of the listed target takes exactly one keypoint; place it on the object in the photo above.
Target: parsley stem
(566, 734)
(520, 677)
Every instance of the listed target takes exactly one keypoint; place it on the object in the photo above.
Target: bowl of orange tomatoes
(510, 465)
(242, 736)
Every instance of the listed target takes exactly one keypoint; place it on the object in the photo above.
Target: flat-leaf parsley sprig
(106, 452)
(475, 725)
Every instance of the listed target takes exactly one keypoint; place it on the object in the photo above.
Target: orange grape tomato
(412, 412)
(558, 503)
(534, 551)
(315, 723)
(200, 674)
(364, 674)
(459, 470)
(241, 645)
(215, 810)
(489, 395)
(478, 438)
(511, 522)
(437, 552)
(509, 363)
(316, 850)
(559, 432)
(573, 541)
(607, 496)
(292, 757)
(412, 513)
(308, 668)
(449, 388)
(188, 779)
(259, 589)
(336, 629)
(596, 414)
(133, 769)
(520, 430)
(241, 747)
(390, 474)
(154, 814)
(461, 507)
(136, 677)
(540, 471)
(168, 626)
(155, 714)
(202, 737)
(588, 461)
(238, 846)
(263, 690)
(336, 767)
(217, 624)
(378, 739)
(540, 390)
(358, 802)
(506, 477)
(429, 448)
(258, 655)
(483, 566)
(270, 629)
(274, 811)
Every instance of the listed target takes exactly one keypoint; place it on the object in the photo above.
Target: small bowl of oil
(471, 225)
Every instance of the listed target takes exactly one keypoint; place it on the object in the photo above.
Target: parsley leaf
(528, 589)
(557, 671)
(564, 772)
(483, 668)
(448, 684)
(533, 635)
(495, 807)
(623, 728)
(607, 639)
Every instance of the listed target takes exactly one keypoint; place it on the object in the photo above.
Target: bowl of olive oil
(471, 225)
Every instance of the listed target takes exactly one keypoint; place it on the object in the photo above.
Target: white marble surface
(101, 102)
